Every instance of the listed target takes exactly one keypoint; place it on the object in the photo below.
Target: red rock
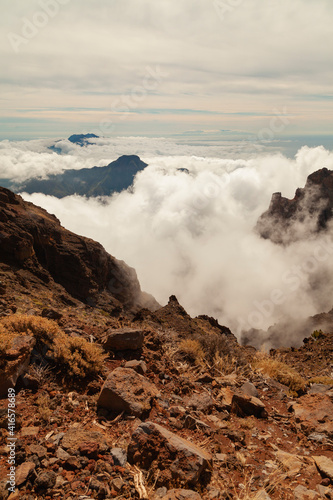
(122, 339)
(313, 413)
(23, 471)
(243, 405)
(89, 449)
(180, 460)
(126, 390)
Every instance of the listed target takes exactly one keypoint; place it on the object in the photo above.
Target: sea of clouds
(187, 225)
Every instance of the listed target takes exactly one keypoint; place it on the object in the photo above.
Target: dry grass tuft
(321, 380)
(281, 372)
(191, 351)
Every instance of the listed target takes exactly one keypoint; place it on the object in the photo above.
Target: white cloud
(192, 235)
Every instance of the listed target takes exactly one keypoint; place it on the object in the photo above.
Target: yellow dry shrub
(192, 351)
(74, 356)
(281, 372)
(321, 379)
(43, 329)
(77, 357)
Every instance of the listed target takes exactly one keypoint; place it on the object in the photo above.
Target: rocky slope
(307, 213)
(114, 401)
(33, 241)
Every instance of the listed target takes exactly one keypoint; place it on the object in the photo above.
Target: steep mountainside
(96, 181)
(102, 399)
(33, 240)
(307, 213)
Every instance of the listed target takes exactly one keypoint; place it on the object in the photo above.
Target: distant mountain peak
(91, 182)
(82, 139)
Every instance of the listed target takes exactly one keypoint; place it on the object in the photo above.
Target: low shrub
(74, 357)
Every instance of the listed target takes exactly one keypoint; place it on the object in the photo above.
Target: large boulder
(122, 339)
(156, 448)
(128, 391)
(243, 405)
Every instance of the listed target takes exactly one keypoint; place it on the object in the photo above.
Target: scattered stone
(313, 413)
(126, 390)
(191, 422)
(319, 388)
(89, 449)
(29, 431)
(74, 437)
(38, 450)
(302, 493)
(289, 461)
(138, 366)
(181, 495)
(249, 389)
(23, 471)
(62, 454)
(50, 313)
(200, 402)
(123, 339)
(226, 396)
(45, 480)
(118, 484)
(317, 437)
(243, 405)
(325, 465)
(119, 456)
(152, 443)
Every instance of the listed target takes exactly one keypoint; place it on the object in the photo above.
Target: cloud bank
(187, 229)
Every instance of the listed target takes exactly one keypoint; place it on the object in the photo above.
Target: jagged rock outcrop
(307, 213)
(32, 239)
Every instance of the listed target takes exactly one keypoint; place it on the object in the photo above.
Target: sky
(203, 69)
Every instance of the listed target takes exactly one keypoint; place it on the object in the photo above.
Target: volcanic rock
(154, 446)
(243, 405)
(126, 390)
(313, 413)
(122, 339)
(75, 437)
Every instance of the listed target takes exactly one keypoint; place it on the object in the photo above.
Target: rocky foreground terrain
(118, 397)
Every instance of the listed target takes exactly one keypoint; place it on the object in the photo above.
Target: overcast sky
(162, 67)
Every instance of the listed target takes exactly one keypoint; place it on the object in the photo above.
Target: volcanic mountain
(101, 398)
(90, 182)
